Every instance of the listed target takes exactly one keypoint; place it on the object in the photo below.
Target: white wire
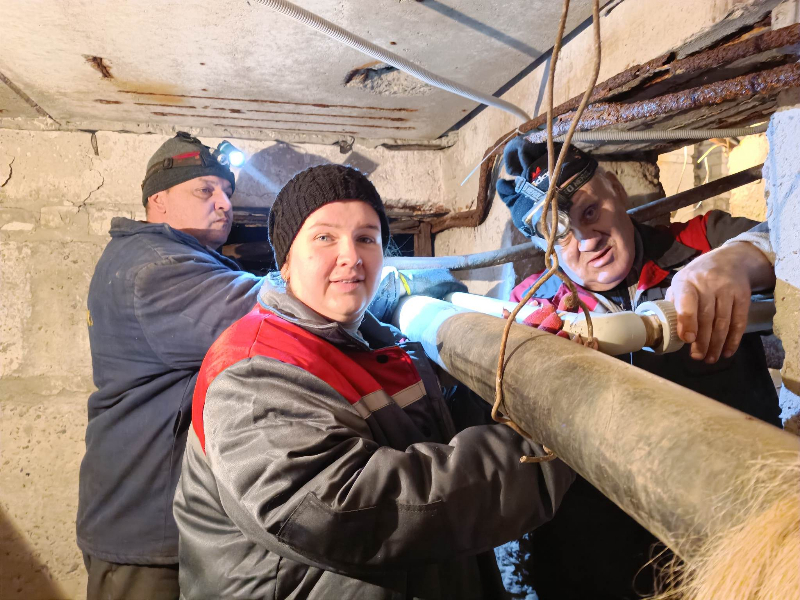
(485, 158)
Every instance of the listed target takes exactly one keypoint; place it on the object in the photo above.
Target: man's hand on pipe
(546, 319)
(712, 297)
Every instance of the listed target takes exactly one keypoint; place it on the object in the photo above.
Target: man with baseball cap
(591, 549)
(160, 296)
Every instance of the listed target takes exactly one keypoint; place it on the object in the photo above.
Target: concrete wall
(783, 198)
(749, 200)
(58, 193)
(680, 171)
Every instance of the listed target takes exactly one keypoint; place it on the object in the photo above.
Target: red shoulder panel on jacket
(692, 233)
(262, 333)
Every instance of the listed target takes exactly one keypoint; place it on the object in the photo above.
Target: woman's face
(335, 262)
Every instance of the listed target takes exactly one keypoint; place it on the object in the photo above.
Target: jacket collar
(660, 247)
(661, 254)
(274, 298)
(122, 227)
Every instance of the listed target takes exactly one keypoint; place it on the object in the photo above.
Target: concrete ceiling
(236, 68)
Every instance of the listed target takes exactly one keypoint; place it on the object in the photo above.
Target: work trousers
(110, 581)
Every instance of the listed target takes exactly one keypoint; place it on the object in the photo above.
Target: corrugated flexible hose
(315, 22)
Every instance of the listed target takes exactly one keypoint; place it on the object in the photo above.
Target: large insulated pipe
(667, 456)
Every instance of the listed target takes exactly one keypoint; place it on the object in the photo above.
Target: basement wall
(680, 170)
(782, 174)
(58, 194)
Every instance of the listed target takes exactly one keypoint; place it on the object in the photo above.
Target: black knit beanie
(311, 189)
(180, 159)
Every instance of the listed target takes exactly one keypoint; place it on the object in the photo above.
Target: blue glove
(436, 283)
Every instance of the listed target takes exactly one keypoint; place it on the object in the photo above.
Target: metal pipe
(666, 455)
(465, 261)
(664, 206)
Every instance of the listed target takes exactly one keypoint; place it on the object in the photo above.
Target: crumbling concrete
(386, 80)
(749, 200)
(782, 175)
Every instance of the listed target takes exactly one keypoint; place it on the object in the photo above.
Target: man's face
(200, 207)
(599, 251)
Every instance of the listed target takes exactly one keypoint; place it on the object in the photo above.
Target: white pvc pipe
(488, 306)
(616, 333)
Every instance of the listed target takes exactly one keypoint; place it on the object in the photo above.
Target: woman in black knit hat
(323, 460)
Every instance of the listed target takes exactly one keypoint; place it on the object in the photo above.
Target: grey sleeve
(183, 303)
(299, 473)
(720, 227)
(758, 236)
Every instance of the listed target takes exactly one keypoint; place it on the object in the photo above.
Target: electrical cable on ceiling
(647, 135)
(390, 58)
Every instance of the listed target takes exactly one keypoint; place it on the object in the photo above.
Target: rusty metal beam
(664, 206)
(659, 69)
(730, 53)
(599, 115)
(666, 455)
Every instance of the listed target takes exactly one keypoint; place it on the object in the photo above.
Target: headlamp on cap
(228, 155)
(183, 158)
(536, 191)
(533, 218)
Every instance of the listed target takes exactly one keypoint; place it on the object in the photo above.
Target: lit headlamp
(228, 155)
(537, 195)
(533, 218)
(198, 161)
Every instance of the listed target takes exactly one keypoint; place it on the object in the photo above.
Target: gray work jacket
(302, 479)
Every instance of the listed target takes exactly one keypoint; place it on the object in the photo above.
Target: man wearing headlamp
(160, 296)
(592, 549)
